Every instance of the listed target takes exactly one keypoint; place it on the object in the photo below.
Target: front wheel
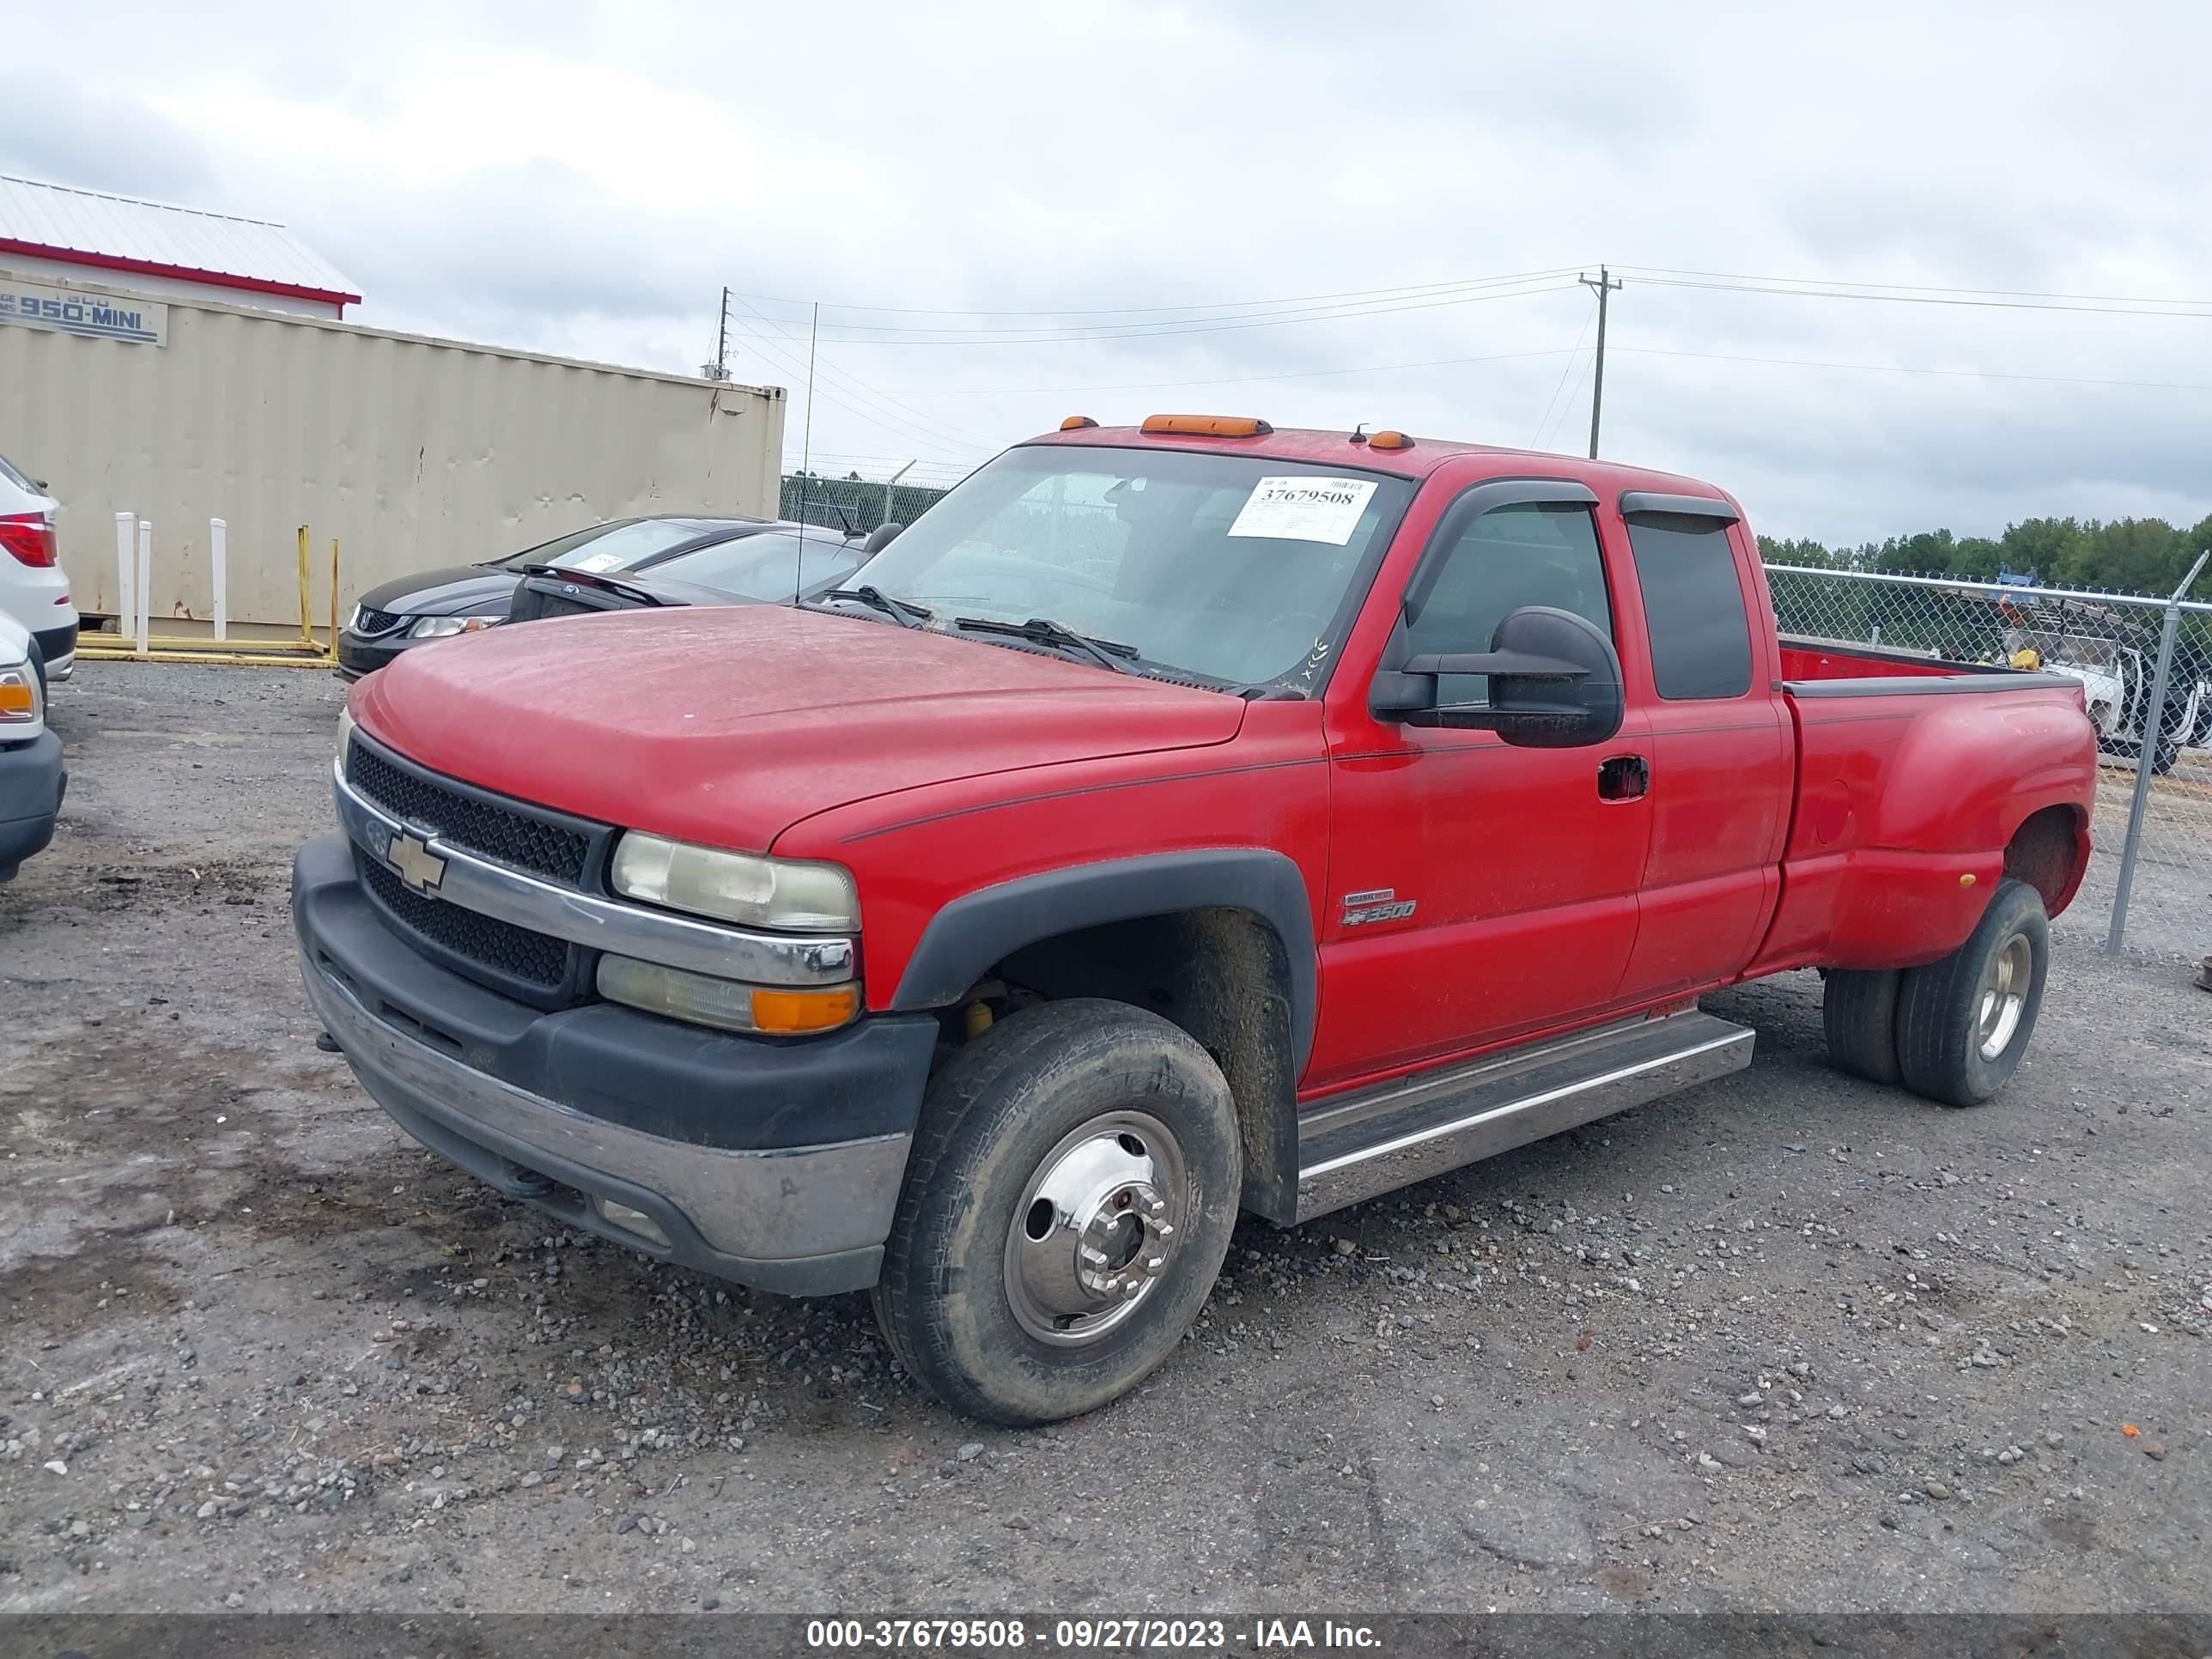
(1072, 1189)
(1963, 1022)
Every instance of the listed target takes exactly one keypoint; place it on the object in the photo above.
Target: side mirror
(880, 538)
(1554, 684)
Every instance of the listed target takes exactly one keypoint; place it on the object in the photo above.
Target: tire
(1859, 1009)
(1945, 1016)
(982, 1295)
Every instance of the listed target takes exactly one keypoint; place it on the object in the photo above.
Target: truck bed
(1913, 775)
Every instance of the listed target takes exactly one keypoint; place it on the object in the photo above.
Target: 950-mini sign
(95, 316)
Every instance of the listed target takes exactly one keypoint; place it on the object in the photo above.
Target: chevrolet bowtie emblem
(418, 866)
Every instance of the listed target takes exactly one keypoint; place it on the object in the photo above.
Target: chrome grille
(519, 838)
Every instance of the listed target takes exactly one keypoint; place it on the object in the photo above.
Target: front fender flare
(978, 929)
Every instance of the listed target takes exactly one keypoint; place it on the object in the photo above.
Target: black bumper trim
(32, 786)
(640, 1072)
(56, 643)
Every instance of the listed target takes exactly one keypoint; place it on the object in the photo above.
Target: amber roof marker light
(1206, 426)
(1077, 423)
(1388, 440)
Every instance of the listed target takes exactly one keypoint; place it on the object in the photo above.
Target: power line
(1566, 408)
(1224, 305)
(859, 388)
(875, 417)
(1914, 368)
(1231, 380)
(1911, 287)
(1916, 299)
(1565, 369)
(1046, 337)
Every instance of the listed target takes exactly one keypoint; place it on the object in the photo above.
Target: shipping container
(410, 452)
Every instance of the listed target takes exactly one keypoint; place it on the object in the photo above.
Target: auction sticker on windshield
(1304, 510)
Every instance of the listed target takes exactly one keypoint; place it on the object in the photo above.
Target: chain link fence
(2144, 663)
(855, 504)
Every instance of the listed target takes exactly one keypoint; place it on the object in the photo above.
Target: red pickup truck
(1174, 820)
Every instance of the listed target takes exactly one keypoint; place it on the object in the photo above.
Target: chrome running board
(1414, 1127)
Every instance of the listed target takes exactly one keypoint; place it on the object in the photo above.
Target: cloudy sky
(1010, 213)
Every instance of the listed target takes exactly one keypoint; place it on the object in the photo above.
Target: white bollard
(126, 605)
(218, 551)
(145, 585)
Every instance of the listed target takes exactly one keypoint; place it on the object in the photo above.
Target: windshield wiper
(1043, 630)
(905, 614)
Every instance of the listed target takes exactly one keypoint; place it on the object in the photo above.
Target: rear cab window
(1694, 603)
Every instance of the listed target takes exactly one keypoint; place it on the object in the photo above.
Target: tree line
(2137, 556)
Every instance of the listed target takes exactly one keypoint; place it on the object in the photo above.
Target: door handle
(1624, 777)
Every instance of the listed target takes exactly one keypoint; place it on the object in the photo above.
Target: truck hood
(727, 726)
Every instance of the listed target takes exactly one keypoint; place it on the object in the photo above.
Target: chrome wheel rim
(1098, 1229)
(2003, 996)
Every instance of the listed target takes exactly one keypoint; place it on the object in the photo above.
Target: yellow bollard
(306, 596)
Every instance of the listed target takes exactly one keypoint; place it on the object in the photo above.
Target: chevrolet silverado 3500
(1174, 820)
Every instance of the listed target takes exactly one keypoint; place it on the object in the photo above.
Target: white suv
(34, 587)
(31, 781)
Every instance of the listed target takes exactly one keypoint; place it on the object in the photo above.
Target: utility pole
(1604, 283)
(719, 368)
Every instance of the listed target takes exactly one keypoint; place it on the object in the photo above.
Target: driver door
(1477, 891)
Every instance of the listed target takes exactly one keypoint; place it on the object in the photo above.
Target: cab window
(1531, 553)
(1692, 606)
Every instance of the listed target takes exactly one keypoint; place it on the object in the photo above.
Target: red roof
(103, 232)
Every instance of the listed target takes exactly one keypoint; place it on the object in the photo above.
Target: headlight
(781, 893)
(438, 628)
(20, 702)
(345, 730)
(702, 1000)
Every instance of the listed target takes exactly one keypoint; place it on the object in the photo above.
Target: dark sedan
(776, 567)
(434, 604)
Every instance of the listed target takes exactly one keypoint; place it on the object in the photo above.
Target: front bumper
(774, 1164)
(32, 784)
(358, 657)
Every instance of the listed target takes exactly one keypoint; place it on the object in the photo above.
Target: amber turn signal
(790, 1013)
(1208, 426)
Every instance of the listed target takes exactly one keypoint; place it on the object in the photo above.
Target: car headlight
(20, 703)
(702, 999)
(345, 730)
(780, 893)
(439, 628)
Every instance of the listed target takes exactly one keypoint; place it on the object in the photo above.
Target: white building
(56, 231)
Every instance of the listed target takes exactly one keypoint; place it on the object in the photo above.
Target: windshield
(765, 567)
(611, 547)
(1238, 568)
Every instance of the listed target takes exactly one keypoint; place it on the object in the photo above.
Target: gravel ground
(1786, 1341)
